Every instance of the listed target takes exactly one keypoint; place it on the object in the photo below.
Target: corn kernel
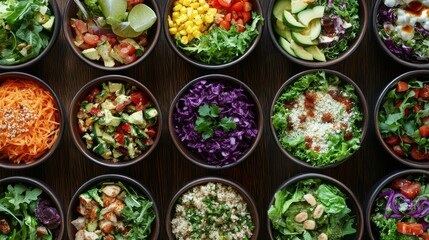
(196, 33)
(172, 31)
(206, 6)
(170, 22)
(183, 32)
(212, 11)
(198, 21)
(183, 10)
(189, 29)
(194, 13)
(175, 15)
(195, 5)
(177, 7)
(184, 40)
(202, 2)
(190, 37)
(186, 2)
(181, 1)
(208, 19)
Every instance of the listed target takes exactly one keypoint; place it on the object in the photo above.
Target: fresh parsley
(207, 122)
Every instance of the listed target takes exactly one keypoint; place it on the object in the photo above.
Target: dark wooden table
(166, 170)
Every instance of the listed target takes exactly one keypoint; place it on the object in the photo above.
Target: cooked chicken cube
(318, 211)
(41, 231)
(309, 225)
(310, 199)
(301, 217)
(106, 226)
(322, 236)
(111, 190)
(79, 223)
(110, 216)
(85, 235)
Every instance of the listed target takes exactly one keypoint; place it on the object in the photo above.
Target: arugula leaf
(206, 123)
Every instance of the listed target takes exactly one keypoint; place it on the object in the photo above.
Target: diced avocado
(300, 52)
(49, 24)
(116, 154)
(113, 87)
(121, 99)
(41, 18)
(93, 192)
(307, 15)
(286, 46)
(87, 106)
(107, 154)
(91, 53)
(317, 54)
(92, 226)
(150, 113)
(113, 53)
(97, 128)
(104, 50)
(137, 118)
(315, 28)
(132, 42)
(131, 150)
(298, 5)
(290, 21)
(280, 6)
(303, 40)
(108, 105)
(111, 120)
(108, 138)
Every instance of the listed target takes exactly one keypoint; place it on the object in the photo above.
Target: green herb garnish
(207, 122)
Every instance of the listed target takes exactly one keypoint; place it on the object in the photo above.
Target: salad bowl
(127, 206)
(222, 127)
(217, 34)
(225, 196)
(47, 20)
(303, 203)
(34, 99)
(319, 118)
(107, 41)
(402, 32)
(42, 207)
(382, 213)
(115, 121)
(317, 34)
(400, 119)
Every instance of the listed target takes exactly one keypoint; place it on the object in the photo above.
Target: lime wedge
(113, 10)
(141, 17)
(125, 30)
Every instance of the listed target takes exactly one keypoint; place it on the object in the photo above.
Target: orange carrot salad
(29, 121)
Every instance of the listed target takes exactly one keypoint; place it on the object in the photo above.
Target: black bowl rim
(69, 41)
(378, 186)
(314, 64)
(405, 77)
(364, 108)
(205, 65)
(351, 196)
(215, 78)
(252, 208)
(61, 111)
(45, 51)
(77, 139)
(47, 190)
(383, 46)
(127, 180)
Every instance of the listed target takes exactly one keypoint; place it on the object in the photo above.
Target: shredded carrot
(29, 121)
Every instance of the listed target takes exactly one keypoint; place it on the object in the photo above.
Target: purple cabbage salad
(404, 29)
(401, 209)
(216, 121)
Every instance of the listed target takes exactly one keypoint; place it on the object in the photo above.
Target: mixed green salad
(317, 119)
(311, 209)
(26, 213)
(117, 121)
(400, 211)
(25, 29)
(316, 30)
(112, 210)
(403, 26)
(403, 119)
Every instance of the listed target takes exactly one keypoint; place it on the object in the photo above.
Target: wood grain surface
(165, 171)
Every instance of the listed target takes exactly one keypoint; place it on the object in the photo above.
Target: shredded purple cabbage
(223, 147)
(386, 14)
(418, 208)
(419, 28)
(47, 214)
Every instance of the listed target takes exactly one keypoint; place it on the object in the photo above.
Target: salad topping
(117, 121)
(403, 119)
(311, 209)
(216, 121)
(113, 211)
(401, 210)
(316, 119)
(404, 28)
(202, 29)
(25, 29)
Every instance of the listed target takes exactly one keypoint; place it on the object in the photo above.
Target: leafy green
(206, 122)
(336, 220)
(22, 35)
(220, 46)
(93, 8)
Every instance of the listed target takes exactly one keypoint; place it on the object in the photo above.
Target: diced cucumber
(116, 154)
(92, 226)
(131, 150)
(88, 106)
(97, 128)
(150, 113)
(116, 87)
(108, 138)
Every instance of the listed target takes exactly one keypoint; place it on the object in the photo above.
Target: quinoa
(212, 211)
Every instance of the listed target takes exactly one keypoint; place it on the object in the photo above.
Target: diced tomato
(94, 111)
(121, 106)
(138, 98)
(398, 150)
(92, 94)
(238, 7)
(411, 190)
(392, 140)
(119, 137)
(91, 39)
(126, 51)
(148, 141)
(130, 59)
(225, 3)
(131, 3)
(424, 131)
(416, 92)
(247, 6)
(400, 182)
(417, 107)
(410, 228)
(151, 132)
(425, 236)
(401, 86)
(398, 104)
(126, 48)
(407, 139)
(225, 25)
(126, 127)
(239, 25)
(234, 15)
(80, 129)
(418, 153)
(80, 27)
(112, 39)
(227, 17)
(246, 16)
(424, 92)
(425, 120)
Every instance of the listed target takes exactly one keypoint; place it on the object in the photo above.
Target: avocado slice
(300, 52)
(315, 29)
(307, 15)
(49, 24)
(303, 40)
(280, 6)
(286, 46)
(290, 21)
(317, 54)
(298, 5)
